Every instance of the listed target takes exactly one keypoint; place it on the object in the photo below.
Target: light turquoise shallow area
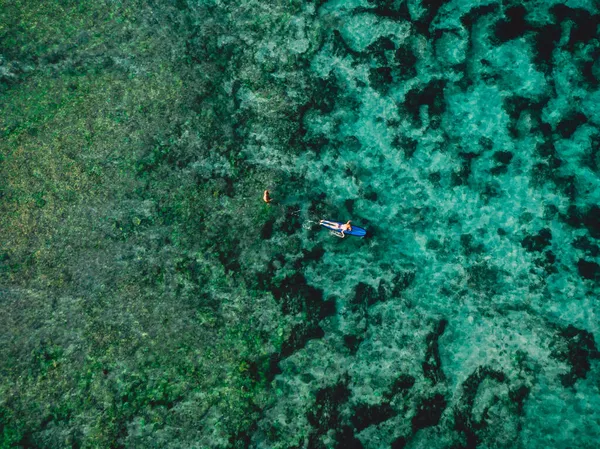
(441, 209)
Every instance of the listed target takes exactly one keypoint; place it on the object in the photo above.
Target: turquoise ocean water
(464, 136)
(149, 298)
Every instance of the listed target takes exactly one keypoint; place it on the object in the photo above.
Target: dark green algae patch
(132, 314)
(150, 299)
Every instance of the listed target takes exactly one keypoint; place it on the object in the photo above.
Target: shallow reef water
(460, 135)
(153, 300)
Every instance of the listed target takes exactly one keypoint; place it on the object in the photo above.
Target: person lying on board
(341, 227)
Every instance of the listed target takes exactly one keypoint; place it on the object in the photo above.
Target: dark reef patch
(390, 9)
(575, 347)
(327, 90)
(399, 443)
(229, 259)
(266, 231)
(381, 49)
(588, 270)
(463, 418)
(342, 49)
(546, 261)
(401, 282)
(347, 440)
(370, 194)
(296, 296)
(515, 105)
(591, 158)
(545, 41)
(586, 245)
(488, 74)
(429, 412)
(432, 365)
(272, 367)
(570, 123)
(366, 415)
(547, 151)
(325, 416)
(550, 211)
(546, 169)
(513, 26)
(431, 95)
(309, 256)
(405, 60)
(435, 178)
(352, 342)
(585, 25)
(364, 297)
(328, 308)
(503, 158)
(461, 176)
(465, 81)
(406, 144)
(402, 384)
(316, 143)
(590, 69)
(566, 185)
(518, 396)
(313, 255)
(478, 13)
(537, 242)
(380, 78)
(318, 205)
(300, 335)
(490, 191)
(467, 242)
(483, 278)
(468, 20)
(431, 8)
(590, 219)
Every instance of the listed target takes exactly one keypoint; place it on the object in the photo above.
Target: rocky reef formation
(150, 298)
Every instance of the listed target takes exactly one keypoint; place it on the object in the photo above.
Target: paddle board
(356, 231)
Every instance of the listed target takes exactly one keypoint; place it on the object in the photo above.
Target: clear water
(466, 153)
(150, 299)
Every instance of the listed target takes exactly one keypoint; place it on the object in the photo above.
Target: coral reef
(150, 298)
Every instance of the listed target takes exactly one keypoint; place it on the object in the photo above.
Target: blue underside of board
(356, 231)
